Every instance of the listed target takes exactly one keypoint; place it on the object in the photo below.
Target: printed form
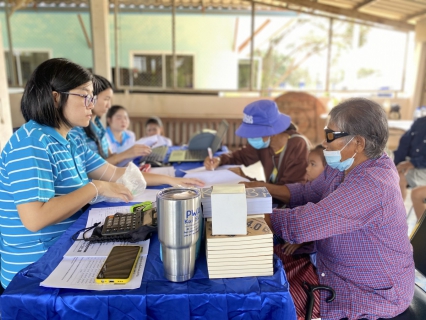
(83, 260)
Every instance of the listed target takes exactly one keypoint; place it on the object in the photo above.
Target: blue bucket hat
(261, 119)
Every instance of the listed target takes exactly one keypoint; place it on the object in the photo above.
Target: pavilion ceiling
(399, 14)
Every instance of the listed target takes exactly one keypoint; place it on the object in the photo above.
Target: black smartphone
(119, 266)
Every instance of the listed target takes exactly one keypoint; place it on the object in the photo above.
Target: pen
(209, 150)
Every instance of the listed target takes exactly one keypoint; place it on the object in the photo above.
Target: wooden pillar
(5, 118)
(419, 94)
(99, 19)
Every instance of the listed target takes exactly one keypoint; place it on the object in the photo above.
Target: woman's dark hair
(365, 118)
(154, 120)
(292, 126)
(113, 110)
(99, 84)
(60, 75)
(319, 151)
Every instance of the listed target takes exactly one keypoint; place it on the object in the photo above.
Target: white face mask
(333, 159)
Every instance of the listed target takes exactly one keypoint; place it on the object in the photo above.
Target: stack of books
(240, 255)
(259, 201)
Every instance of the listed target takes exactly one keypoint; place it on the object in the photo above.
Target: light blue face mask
(333, 159)
(258, 143)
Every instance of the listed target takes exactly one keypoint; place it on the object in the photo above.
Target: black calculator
(120, 224)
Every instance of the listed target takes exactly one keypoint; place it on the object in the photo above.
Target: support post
(99, 11)
(253, 8)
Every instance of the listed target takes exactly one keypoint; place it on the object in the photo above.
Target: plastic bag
(132, 179)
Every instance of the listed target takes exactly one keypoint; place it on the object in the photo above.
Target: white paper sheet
(211, 178)
(83, 260)
(203, 169)
(148, 141)
(255, 171)
(161, 141)
(147, 195)
(101, 249)
(80, 273)
(168, 171)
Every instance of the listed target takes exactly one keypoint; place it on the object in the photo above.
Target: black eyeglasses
(331, 135)
(88, 99)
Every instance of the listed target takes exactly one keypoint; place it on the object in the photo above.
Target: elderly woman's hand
(404, 166)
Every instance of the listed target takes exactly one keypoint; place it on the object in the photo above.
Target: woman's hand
(138, 150)
(113, 190)
(253, 184)
(288, 249)
(186, 182)
(211, 164)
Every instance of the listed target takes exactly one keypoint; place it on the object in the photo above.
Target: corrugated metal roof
(400, 14)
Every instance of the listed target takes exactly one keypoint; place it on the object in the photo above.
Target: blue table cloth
(157, 298)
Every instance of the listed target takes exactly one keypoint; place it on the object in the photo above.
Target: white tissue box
(229, 209)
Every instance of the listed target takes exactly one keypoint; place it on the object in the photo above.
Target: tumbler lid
(178, 193)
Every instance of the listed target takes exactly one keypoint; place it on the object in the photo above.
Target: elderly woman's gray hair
(366, 118)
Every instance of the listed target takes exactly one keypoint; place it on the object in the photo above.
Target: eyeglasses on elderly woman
(331, 135)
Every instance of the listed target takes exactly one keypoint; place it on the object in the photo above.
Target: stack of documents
(240, 255)
(259, 201)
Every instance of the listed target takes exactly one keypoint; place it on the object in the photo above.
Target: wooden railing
(180, 130)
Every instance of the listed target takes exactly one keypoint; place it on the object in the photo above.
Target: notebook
(200, 155)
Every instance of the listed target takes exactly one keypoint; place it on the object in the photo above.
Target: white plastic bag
(132, 179)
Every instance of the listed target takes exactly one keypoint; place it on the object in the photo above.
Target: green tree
(285, 63)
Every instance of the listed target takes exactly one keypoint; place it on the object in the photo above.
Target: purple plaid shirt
(359, 225)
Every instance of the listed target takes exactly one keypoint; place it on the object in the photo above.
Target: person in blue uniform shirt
(47, 174)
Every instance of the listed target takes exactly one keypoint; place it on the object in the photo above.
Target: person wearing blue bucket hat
(273, 140)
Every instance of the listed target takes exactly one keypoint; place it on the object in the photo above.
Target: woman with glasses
(355, 215)
(95, 134)
(47, 174)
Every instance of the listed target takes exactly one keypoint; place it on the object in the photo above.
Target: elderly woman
(355, 215)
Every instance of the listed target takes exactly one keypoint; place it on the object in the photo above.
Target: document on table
(211, 178)
(254, 171)
(203, 169)
(147, 195)
(87, 249)
(167, 171)
(80, 273)
(83, 260)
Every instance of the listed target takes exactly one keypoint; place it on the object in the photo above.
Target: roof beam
(351, 13)
(418, 14)
(362, 4)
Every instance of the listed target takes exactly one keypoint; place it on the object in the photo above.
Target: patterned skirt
(299, 268)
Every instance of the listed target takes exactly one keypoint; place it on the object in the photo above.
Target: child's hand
(288, 249)
(138, 150)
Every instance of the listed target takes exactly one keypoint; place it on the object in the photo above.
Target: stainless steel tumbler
(179, 216)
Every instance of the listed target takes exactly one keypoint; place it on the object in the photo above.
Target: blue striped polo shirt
(99, 131)
(37, 164)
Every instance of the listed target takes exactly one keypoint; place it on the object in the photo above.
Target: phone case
(119, 266)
